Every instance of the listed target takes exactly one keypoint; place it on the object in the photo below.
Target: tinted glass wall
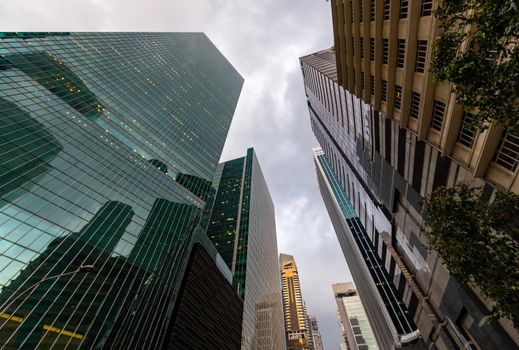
(94, 129)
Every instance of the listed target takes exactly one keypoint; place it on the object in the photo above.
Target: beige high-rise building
(389, 136)
(383, 51)
(297, 325)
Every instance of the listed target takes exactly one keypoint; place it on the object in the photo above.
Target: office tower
(297, 323)
(355, 326)
(98, 239)
(242, 227)
(317, 340)
(390, 136)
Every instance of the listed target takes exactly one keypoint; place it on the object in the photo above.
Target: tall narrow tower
(297, 324)
(242, 227)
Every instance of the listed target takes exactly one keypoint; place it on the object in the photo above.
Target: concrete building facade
(390, 135)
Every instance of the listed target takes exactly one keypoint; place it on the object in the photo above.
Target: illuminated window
(398, 96)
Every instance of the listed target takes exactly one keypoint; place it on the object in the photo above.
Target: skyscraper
(96, 233)
(316, 334)
(297, 322)
(242, 227)
(355, 326)
(389, 137)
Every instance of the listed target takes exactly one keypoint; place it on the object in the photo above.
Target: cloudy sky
(263, 40)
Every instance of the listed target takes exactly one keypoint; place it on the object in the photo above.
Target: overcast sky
(263, 40)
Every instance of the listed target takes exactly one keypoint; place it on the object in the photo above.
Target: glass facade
(94, 130)
(243, 229)
(356, 328)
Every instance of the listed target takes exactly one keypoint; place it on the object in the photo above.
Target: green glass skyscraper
(242, 227)
(108, 142)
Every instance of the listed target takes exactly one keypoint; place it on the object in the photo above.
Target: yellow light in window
(62, 331)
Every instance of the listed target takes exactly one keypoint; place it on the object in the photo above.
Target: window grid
(361, 47)
(372, 49)
(398, 96)
(404, 7)
(362, 80)
(507, 154)
(361, 10)
(438, 114)
(426, 8)
(387, 8)
(421, 53)
(415, 104)
(467, 132)
(383, 90)
(372, 85)
(385, 51)
(400, 58)
(372, 10)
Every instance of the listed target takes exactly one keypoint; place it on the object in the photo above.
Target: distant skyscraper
(316, 334)
(95, 128)
(355, 326)
(297, 322)
(392, 135)
(242, 227)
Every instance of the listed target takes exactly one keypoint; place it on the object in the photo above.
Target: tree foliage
(484, 75)
(476, 242)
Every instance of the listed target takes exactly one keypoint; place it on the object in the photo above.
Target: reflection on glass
(61, 311)
(26, 150)
(54, 75)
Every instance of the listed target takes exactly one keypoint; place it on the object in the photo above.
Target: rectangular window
(385, 51)
(467, 132)
(507, 154)
(353, 78)
(372, 49)
(362, 80)
(372, 85)
(387, 7)
(421, 52)
(398, 96)
(426, 8)
(383, 90)
(371, 10)
(361, 47)
(400, 58)
(415, 105)
(438, 114)
(404, 7)
(361, 10)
